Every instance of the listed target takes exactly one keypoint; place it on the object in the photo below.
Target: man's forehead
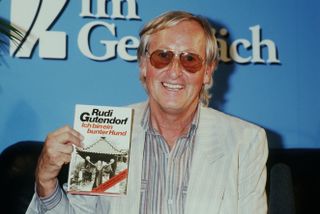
(186, 33)
(186, 24)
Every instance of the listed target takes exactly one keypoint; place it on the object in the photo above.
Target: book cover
(101, 166)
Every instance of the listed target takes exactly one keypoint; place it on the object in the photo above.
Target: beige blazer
(228, 172)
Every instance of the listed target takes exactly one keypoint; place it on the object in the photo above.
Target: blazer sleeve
(68, 204)
(252, 175)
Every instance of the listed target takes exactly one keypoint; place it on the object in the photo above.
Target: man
(185, 157)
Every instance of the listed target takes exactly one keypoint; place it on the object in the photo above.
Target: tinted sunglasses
(161, 58)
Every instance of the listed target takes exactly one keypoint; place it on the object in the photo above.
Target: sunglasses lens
(161, 58)
(191, 62)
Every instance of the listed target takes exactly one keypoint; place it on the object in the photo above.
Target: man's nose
(175, 68)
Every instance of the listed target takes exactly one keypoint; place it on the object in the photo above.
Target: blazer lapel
(131, 202)
(206, 184)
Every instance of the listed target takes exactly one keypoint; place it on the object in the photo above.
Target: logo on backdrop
(36, 17)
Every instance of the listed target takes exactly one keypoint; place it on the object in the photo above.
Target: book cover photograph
(101, 166)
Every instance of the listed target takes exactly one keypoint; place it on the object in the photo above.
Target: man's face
(173, 89)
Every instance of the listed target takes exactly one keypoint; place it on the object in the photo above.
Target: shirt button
(170, 201)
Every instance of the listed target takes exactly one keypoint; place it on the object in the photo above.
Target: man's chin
(172, 108)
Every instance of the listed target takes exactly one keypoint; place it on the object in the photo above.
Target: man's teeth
(172, 86)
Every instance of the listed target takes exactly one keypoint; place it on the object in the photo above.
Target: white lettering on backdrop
(36, 18)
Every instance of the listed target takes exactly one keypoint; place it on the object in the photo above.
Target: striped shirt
(165, 173)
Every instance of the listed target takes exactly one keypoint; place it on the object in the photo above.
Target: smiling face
(173, 89)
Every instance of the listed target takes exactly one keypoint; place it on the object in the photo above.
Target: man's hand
(56, 151)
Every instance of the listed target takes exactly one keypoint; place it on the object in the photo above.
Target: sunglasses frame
(175, 54)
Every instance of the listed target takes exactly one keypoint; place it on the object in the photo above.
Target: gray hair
(173, 18)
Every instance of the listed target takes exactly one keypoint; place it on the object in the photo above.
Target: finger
(65, 148)
(63, 159)
(64, 138)
(61, 130)
(49, 160)
(67, 129)
(54, 162)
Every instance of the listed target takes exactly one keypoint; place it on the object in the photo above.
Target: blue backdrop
(84, 52)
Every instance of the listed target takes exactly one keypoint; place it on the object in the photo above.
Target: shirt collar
(146, 124)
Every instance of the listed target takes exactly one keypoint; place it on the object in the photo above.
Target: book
(101, 166)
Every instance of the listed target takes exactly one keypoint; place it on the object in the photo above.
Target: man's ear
(209, 70)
